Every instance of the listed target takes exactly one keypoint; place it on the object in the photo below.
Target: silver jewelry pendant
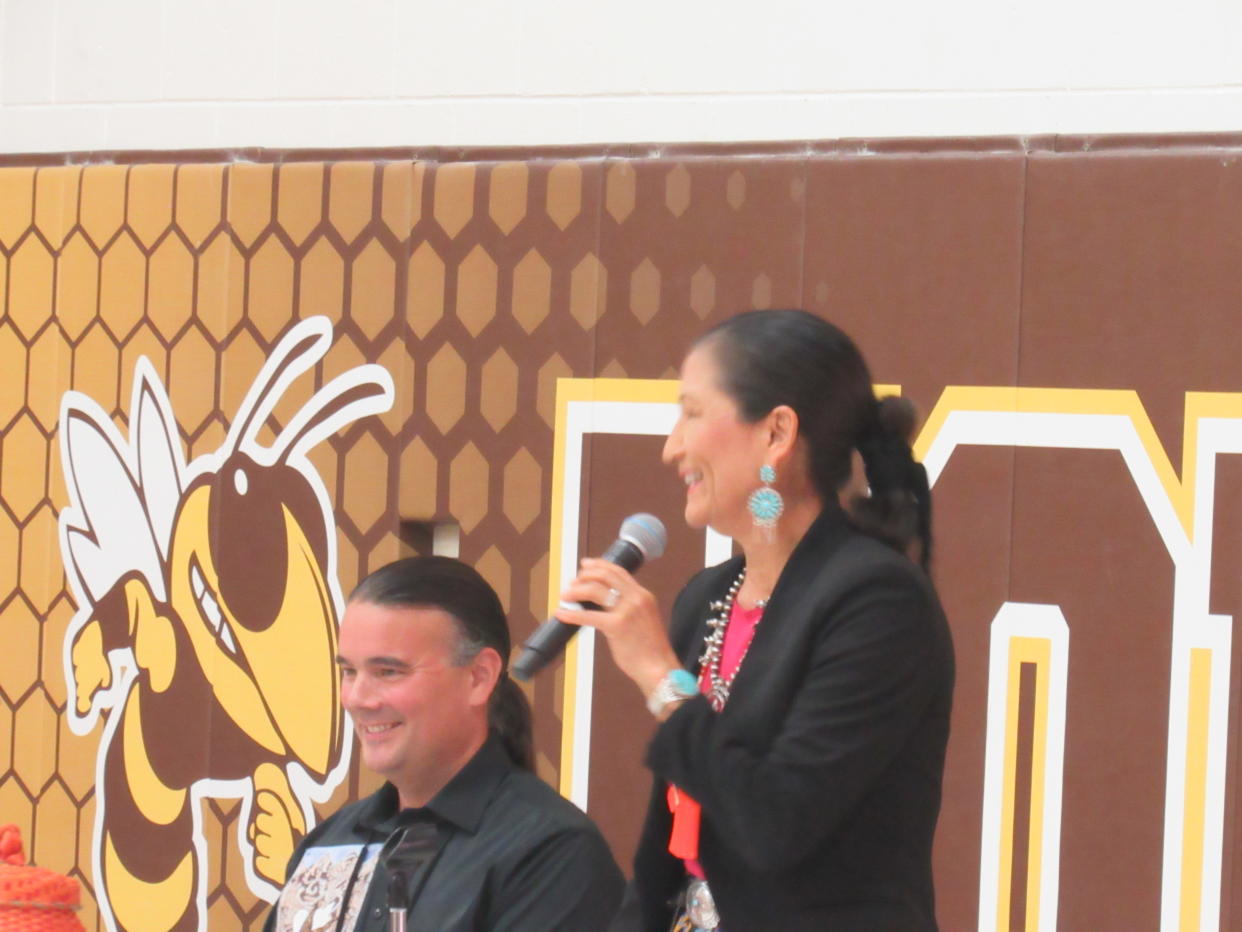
(701, 906)
(713, 646)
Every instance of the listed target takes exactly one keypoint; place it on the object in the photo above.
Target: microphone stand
(404, 854)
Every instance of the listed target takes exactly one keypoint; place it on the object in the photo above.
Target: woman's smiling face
(715, 452)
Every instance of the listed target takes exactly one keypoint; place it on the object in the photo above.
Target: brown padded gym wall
(1063, 311)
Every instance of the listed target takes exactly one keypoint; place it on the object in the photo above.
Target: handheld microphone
(642, 537)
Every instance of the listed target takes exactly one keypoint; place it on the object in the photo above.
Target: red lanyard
(683, 841)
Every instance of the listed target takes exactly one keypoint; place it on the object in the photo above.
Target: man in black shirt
(423, 650)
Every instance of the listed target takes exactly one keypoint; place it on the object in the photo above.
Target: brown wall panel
(1226, 596)
(973, 530)
(1116, 593)
(920, 259)
(687, 242)
(1130, 276)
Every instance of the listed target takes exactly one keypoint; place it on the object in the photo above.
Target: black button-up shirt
(505, 852)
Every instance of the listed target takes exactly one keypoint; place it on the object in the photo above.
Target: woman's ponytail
(898, 508)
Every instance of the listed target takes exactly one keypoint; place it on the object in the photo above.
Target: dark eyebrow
(376, 662)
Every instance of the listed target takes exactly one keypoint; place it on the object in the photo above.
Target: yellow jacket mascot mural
(205, 637)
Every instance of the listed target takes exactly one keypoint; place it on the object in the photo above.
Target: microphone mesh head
(646, 532)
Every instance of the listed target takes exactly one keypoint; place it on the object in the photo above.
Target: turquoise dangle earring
(765, 503)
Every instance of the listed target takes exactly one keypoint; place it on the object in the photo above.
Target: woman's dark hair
(792, 357)
(455, 588)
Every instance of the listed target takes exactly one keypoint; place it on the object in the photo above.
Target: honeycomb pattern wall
(477, 284)
(478, 279)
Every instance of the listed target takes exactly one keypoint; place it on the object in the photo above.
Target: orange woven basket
(33, 899)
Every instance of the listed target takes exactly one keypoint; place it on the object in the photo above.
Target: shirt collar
(460, 802)
(464, 798)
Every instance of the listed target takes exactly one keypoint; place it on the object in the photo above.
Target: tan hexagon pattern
(477, 284)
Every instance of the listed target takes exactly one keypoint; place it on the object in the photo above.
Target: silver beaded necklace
(713, 644)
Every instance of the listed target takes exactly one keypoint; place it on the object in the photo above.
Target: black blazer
(820, 780)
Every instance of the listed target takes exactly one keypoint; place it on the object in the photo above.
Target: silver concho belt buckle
(700, 907)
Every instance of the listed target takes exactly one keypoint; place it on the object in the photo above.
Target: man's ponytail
(508, 716)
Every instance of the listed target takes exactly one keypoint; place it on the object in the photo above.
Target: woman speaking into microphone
(804, 687)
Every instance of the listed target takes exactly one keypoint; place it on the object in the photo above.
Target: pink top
(738, 636)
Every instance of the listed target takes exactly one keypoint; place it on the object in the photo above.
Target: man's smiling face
(419, 714)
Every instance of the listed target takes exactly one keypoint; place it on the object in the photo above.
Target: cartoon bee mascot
(206, 630)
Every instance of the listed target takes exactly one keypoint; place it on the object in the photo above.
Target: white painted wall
(168, 74)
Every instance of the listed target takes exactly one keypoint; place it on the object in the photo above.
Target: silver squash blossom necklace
(713, 644)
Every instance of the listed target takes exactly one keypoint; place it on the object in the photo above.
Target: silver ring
(614, 596)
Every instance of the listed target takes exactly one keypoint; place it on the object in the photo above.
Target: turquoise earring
(765, 503)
